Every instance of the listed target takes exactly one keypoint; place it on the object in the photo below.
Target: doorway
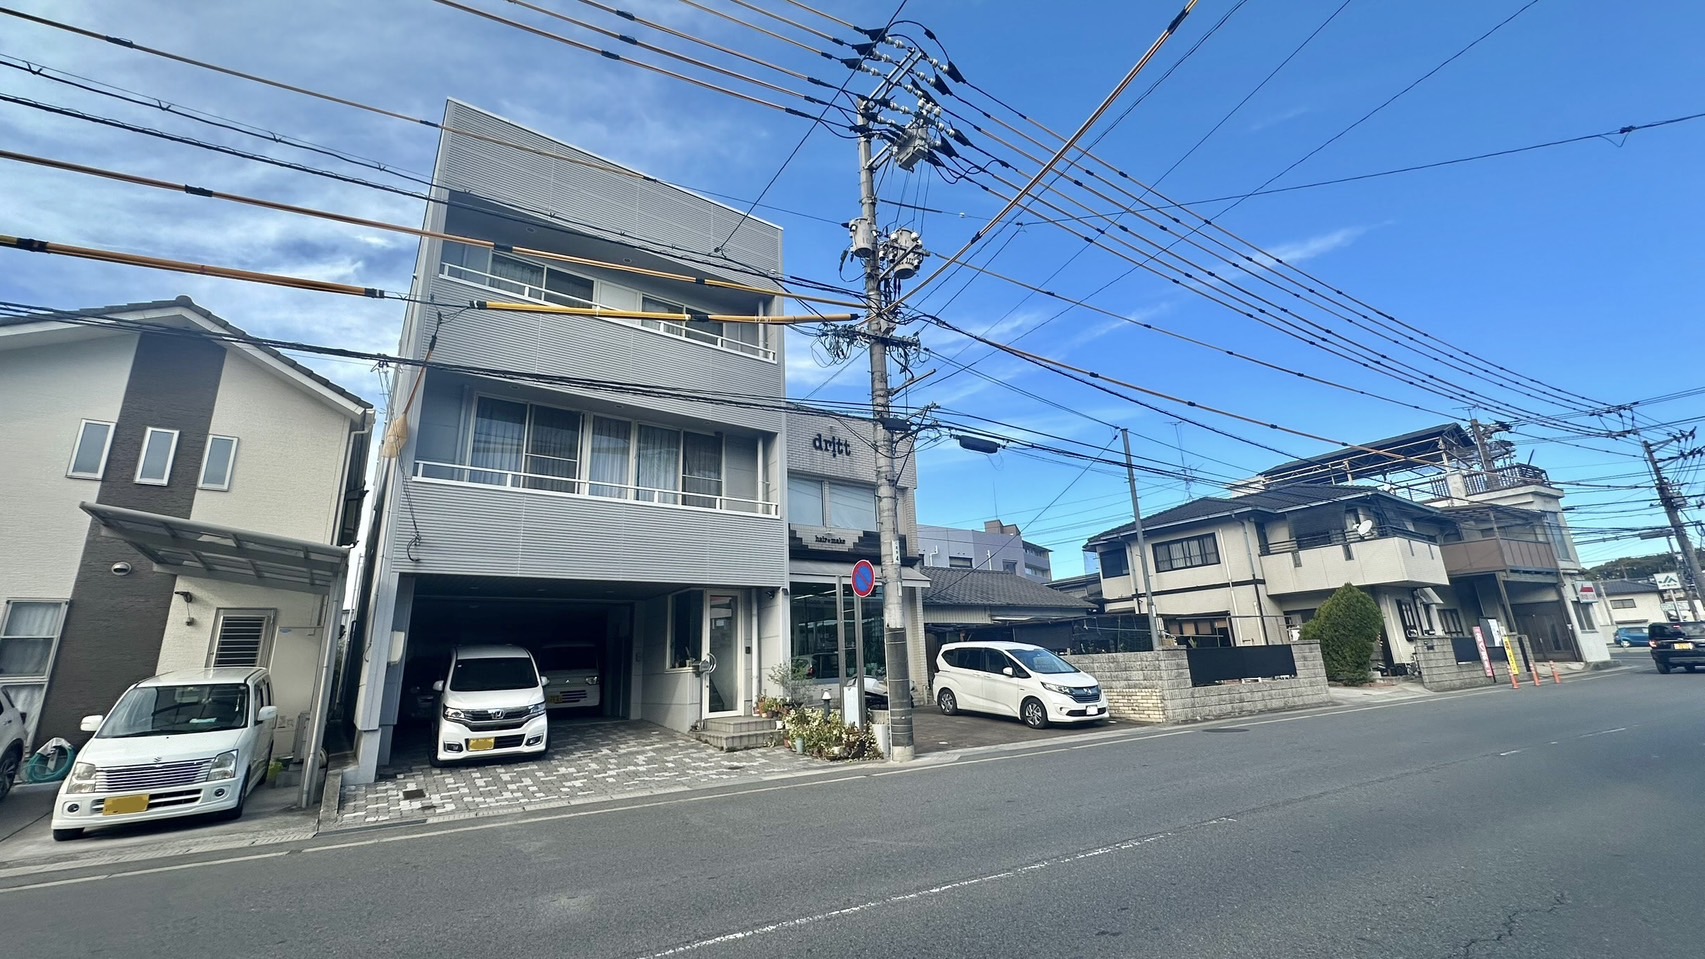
(724, 654)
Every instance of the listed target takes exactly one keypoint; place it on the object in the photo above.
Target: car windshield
(1041, 661)
(174, 710)
(561, 659)
(1679, 630)
(480, 675)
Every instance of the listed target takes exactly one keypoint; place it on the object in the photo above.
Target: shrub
(826, 737)
(1347, 628)
(794, 678)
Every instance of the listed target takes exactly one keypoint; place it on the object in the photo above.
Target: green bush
(1347, 628)
(826, 737)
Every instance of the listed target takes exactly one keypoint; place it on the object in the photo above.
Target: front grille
(161, 800)
(498, 725)
(570, 696)
(152, 777)
(1086, 694)
(510, 714)
(507, 742)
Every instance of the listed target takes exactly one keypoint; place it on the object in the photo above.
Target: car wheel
(1624, 643)
(1663, 667)
(435, 762)
(9, 768)
(1034, 714)
(65, 835)
(236, 812)
(945, 702)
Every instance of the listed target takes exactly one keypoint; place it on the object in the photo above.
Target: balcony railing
(1507, 477)
(539, 294)
(455, 473)
(1497, 555)
(1339, 537)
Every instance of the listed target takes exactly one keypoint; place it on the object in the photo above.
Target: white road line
(1509, 752)
(906, 897)
(1603, 732)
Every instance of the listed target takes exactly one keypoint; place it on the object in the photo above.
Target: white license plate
(1094, 710)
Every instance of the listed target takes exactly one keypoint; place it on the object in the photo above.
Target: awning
(823, 570)
(189, 548)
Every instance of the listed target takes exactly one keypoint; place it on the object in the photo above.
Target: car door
(964, 675)
(1004, 692)
(258, 737)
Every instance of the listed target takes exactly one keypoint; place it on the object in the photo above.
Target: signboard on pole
(863, 578)
(1485, 657)
(1667, 581)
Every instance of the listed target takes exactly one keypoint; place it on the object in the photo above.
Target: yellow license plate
(1682, 646)
(555, 699)
(477, 745)
(120, 805)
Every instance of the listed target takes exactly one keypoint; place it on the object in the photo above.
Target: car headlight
(224, 767)
(537, 709)
(82, 778)
(1057, 688)
(455, 714)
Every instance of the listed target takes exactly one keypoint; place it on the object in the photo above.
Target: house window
(1186, 553)
(959, 562)
(1584, 615)
(89, 458)
(1452, 622)
(686, 628)
(611, 450)
(815, 502)
(1009, 566)
(27, 635)
(714, 332)
(1621, 604)
(1198, 632)
(540, 442)
(1114, 562)
(242, 637)
(701, 470)
(1034, 570)
(1406, 615)
(216, 464)
(159, 447)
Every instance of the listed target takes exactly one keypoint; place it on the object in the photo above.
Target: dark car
(1677, 644)
(1627, 636)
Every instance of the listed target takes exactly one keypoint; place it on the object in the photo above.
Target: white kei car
(181, 743)
(1016, 679)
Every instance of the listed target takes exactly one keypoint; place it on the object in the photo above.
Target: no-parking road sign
(863, 578)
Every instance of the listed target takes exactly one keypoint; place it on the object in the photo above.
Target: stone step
(731, 725)
(729, 742)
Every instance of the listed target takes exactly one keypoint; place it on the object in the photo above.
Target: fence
(1162, 687)
(1215, 665)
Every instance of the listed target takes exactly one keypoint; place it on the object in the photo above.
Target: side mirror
(1006, 671)
(544, 680)
(438, 685)
(90, 723)
(267, 714)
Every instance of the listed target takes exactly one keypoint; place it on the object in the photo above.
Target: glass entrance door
(724, 648)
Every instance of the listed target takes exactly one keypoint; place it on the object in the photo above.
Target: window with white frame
(159, 448)
(820, 502)
(714, 332)
(89, 456)
(28, 632)
(242, 637)
(217, 462)
(1621, 604)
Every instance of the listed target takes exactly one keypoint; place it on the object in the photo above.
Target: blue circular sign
(864, 578)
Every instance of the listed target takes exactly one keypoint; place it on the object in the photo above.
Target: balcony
(1498, 556)
(1386, 556)
(548, 485)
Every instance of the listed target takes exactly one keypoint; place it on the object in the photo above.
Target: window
(1035, 570)
(714, 332)
(1406, 614)
(611, 444)
(1621, 604)
(805, 500)
(1114, 562)
(242, 637)
(1186, 553)
(815, 502)
(159, 447)
(657, 467)
(1452, 622)
(959, 562)
(27, 635)
(1199, 632)
(216, 464)
(1559, 537)
(1584, 615)
(686, 628)
(89, 458)
(1009, 566)
(701, 470)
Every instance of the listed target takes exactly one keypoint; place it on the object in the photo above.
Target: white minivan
(178, 744)
(491, 704)
(1015, 679)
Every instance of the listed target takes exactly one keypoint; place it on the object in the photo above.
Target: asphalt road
(1557, 822)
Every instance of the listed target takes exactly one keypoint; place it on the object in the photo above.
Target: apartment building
(997, 546)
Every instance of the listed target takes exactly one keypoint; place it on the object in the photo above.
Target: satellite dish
(1364, 529)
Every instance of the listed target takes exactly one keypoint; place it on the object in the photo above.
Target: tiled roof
(184, 302)
(1275, 500)
(1627, 587)
(987, 587)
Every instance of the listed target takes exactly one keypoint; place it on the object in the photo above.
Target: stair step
(728, 725)
(729, 742)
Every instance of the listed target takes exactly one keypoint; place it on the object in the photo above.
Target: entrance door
(1547, 631)
(723, 647)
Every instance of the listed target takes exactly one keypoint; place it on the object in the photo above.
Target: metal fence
(1234, 663)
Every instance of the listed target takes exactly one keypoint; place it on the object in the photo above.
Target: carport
(183, 547)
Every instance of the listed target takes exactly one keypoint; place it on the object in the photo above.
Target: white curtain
(611, 440)
(852, 507)
(805, 501)
(659, 465)
(701, 469)
(553, 449)
(499, 429)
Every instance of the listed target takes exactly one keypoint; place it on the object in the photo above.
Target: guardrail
(460, 474)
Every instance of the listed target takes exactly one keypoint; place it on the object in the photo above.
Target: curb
(330, 798)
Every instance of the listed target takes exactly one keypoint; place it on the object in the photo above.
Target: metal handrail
(1338, 537)
(465, 475)
(539, 294)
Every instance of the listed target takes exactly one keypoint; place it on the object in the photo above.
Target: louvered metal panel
(241, 639)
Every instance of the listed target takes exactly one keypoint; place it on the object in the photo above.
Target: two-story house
(598, 477)
(176, 497)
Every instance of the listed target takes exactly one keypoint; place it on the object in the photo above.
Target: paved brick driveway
(589, 761)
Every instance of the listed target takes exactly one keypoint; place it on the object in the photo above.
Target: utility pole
(1142, 543)
(1672, 502)
(889, 259)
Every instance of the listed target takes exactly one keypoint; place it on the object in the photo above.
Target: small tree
(1347, 629)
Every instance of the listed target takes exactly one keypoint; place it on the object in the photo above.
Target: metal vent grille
(240, 641)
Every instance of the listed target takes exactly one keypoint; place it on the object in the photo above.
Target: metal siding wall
(494, 531)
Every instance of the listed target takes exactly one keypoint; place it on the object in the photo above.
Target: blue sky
(1572, 265)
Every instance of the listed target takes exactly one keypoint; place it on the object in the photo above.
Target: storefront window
(814, 631)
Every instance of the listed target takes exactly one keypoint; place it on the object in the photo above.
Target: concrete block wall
(1441, 672)
(1155, 687)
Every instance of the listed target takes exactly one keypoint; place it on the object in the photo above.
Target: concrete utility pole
(889, 259)
(1672, 502)
(1142, 543)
